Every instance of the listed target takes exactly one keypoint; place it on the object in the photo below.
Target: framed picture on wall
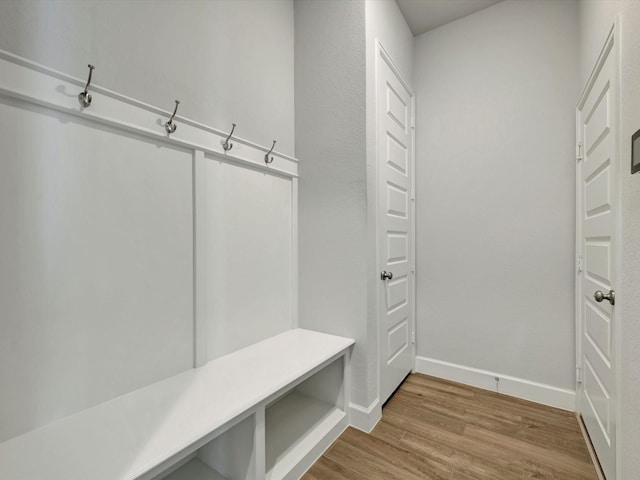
(635, 152)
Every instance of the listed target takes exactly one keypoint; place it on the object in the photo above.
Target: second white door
(395, 224)
(596, 224)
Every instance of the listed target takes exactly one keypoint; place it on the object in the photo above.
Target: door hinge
(579, 151)
(413, 269)
(579, 263)
(413, 122)
(413, 196)
(578, 374)
(413, 338)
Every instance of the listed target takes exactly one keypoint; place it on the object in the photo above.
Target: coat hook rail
(268, 159)
(85, 97)
(171, 127)
(227, 145)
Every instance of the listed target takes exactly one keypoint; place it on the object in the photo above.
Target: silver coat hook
(226, 145)
(268, 160)
(85, 97)
(171, 127)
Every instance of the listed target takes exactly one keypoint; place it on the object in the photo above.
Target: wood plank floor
(435, 429)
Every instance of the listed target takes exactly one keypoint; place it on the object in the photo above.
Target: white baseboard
(365, 418)
(513, 386)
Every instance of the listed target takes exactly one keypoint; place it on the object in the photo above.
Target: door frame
(383, 56)
(611, 48)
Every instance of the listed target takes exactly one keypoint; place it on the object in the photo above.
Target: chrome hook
(268, 160)
(85, 97)
(226, 145)
(171, 127)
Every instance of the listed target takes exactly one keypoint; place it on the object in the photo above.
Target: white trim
(578, 253)
(617, 333)
(357, 413)
(414, 257)
(365, 418)
(38, 85)
(508, 385)
(200, 243)
(295, 256)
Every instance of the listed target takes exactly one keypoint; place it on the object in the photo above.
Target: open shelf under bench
(194, 469)
(294, 425)
(146, 432)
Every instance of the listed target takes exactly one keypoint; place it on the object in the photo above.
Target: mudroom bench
(266, 411)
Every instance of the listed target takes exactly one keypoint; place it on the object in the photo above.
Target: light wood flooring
(435, 429)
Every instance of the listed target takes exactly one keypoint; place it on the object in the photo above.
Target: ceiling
(425, 15)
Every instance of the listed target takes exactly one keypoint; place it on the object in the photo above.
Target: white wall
(335, 143)
(330, 105)
(596, 19)
(630, 254)
(228, 61)
(384, 22)
(496, 95)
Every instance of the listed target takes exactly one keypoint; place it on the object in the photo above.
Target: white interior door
(596, 229)
(395, 215)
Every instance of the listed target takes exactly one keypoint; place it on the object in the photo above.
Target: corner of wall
(365, 418)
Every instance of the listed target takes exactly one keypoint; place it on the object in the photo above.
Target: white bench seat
(130, 436)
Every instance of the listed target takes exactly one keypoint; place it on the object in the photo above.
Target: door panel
(598, 331)
(597, 124)
(597, 255)
(398, 338)
(397, 247)
(396, 105)
(597, 229)
(598, 194)
(397, 155)
(394, 153)
(397, 200)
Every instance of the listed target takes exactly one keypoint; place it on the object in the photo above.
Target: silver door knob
(611, 296)
(386, 275)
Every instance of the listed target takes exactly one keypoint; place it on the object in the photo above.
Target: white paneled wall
(249, 263)
(96, 248)
(116, 240)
